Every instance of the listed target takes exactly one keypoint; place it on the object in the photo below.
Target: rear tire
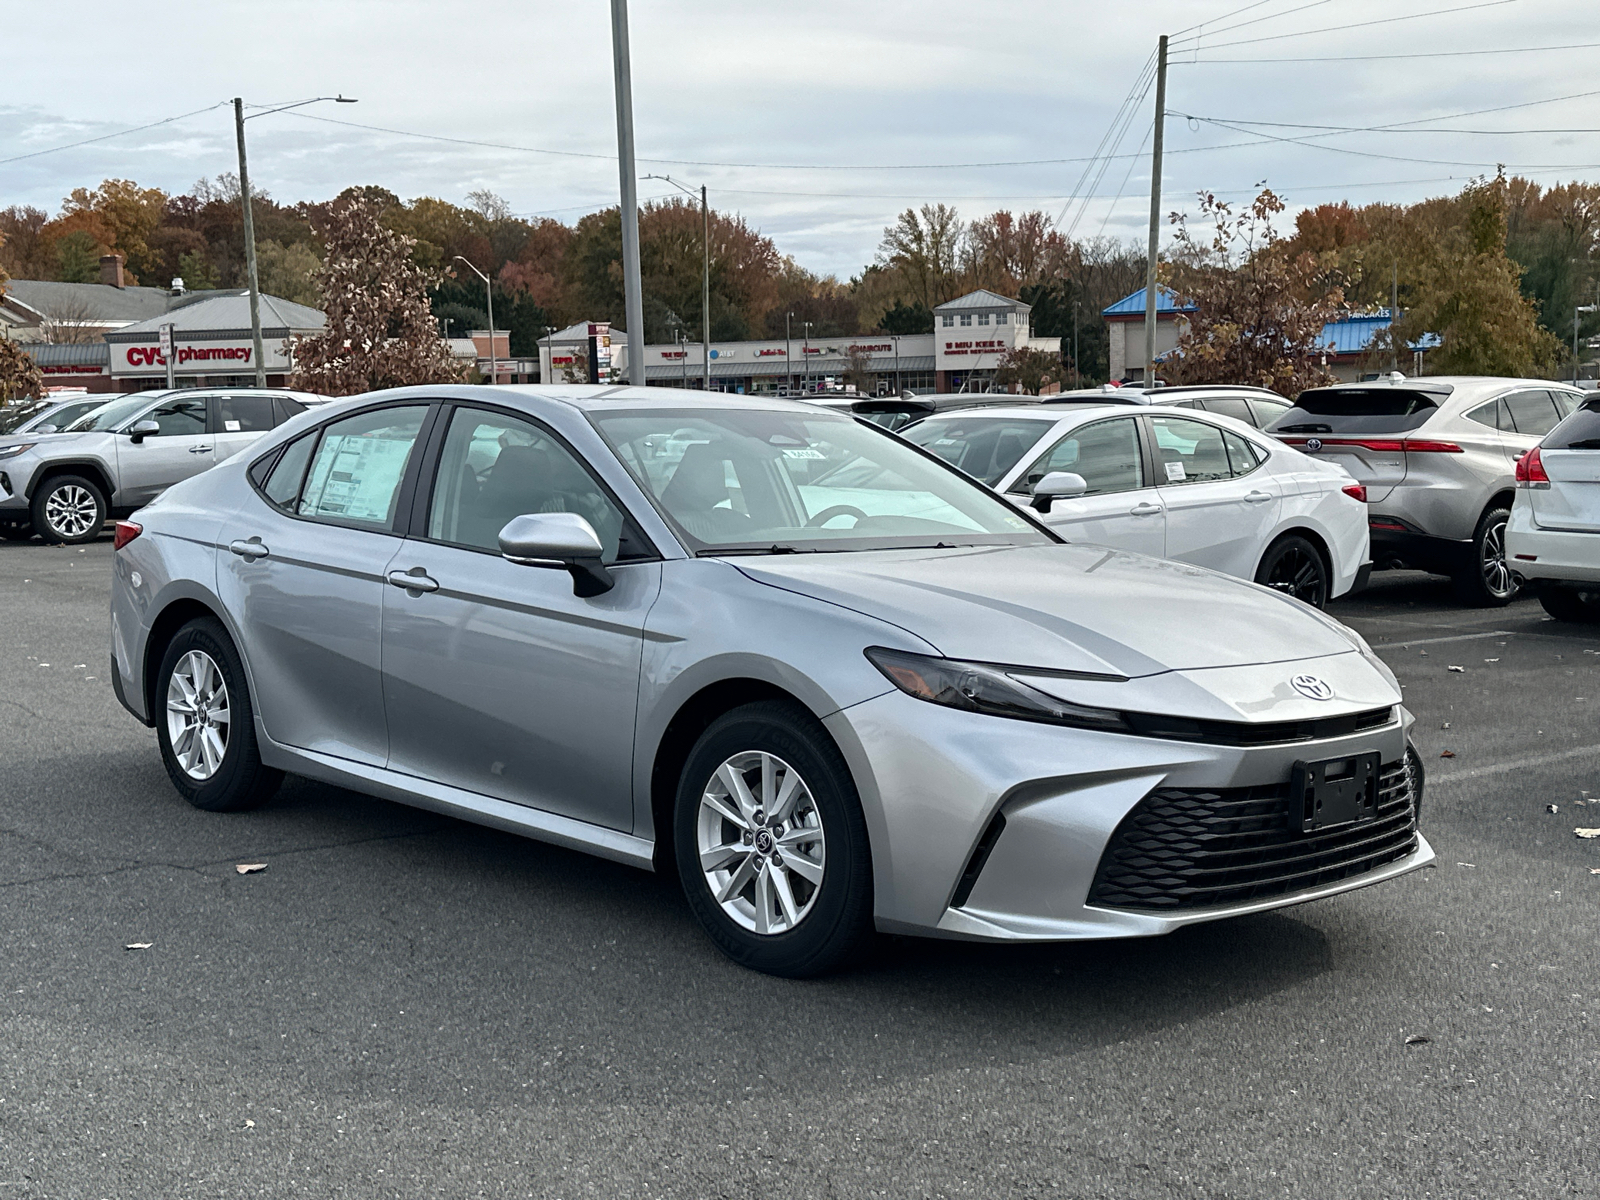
(792, 869)
(1489, 582)
(205, 722)
(1570, 603)
(68, 509)
(1295, 567)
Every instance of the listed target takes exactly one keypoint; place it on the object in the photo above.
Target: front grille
(1182, 849)
(1242, 733)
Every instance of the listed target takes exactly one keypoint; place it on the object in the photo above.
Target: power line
(1206, 62)
(1223, 17)
(1120, 125)
(120, 133)
(1437, 12)
(1185, 43)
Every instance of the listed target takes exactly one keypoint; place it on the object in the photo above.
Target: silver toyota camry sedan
(831, 682)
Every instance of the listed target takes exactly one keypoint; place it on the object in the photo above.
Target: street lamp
(488, 288)
(806, 353)
(788, 351)
(705, 282)
(249, 220)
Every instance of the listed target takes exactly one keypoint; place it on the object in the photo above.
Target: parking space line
(1515, 764)
(1460, 637)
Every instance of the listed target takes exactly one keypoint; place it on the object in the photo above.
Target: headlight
(13, 451)
(984, 688)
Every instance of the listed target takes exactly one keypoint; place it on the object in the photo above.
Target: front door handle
(1145, 509)
(415, 581)
(1256, 497)
(249, 550)
(199, 449)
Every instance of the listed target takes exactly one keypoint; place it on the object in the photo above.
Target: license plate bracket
(1331, 792)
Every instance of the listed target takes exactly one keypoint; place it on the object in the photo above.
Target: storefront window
(983, 318)
(966, 318)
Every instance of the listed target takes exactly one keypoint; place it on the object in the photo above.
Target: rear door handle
(415, 581)
(249, 550)
(199, 449)
(1256, 497)
(1144, 510)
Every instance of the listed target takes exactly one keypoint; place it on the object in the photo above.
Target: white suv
(1437, 456)
(122, 455)
(1553, 538)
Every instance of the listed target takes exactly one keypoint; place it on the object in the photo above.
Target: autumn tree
(24, 250)
(130, 214)
(1254, 323)
(380, 331)
(925, 246)
(20, 377)
(1028, 369)
(858, 372)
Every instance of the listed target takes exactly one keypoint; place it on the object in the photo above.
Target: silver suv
(125, 453)
(1437, 456)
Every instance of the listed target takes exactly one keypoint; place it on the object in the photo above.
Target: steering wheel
(837, 510)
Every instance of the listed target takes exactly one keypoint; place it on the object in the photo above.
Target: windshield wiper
(751, 550)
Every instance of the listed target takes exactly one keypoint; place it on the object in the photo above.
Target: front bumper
(933, 780)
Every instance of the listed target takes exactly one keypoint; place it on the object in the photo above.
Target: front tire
(68, 508)
(1570, 603)
(1489, 582)
(771, 844)
(1293, 566)
(205, 723)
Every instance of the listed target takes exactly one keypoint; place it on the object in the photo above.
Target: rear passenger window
(1533, 413)
(287, 408)
(1230, 406)
(1489, 415)
(1189, 451)
(1267, 411)
(356, 471)
(1244, 455)
(241, 414)
(1566, 402)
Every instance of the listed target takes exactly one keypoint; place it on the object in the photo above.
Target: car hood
(1073, 607)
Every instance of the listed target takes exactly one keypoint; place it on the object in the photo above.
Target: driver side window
(1105, 453)
(177, 418)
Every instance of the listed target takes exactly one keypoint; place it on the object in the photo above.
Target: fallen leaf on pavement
(1464, 865)
(1587, 833)
(250, 868)
(138, 945)
(1417, 1039)
(1491, 660)
(1459, 670)
(1447, 754)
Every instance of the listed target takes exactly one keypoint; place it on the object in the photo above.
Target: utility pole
(1394, 316)
(705, 287)
(633, 300)
(1155, 216)
(250, 248)
(1077, 371)
(788, 351)
(805, 353)
(1582, 308)
(488, 288)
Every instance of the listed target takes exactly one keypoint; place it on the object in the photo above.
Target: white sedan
(1193, 486)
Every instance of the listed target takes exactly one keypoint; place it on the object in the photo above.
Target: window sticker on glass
(1174, 472)
(230, 426)
(804, 452)
(355, 477)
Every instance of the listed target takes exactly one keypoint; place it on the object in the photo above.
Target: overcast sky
(818, 121)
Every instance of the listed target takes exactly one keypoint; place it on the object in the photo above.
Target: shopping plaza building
(970, 334)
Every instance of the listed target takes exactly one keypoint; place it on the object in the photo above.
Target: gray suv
(123, 454)
(1437, 456)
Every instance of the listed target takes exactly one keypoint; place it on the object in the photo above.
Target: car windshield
(752, 481)
(14, 415)
(984, 447)
(109, 416)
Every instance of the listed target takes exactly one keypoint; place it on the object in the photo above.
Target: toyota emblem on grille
(1311, 687)
(1313, 445)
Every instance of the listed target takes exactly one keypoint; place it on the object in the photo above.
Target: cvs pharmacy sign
(151, 356)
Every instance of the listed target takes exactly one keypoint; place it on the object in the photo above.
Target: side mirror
(561, 540)
(1057, 485)
(140, 430)
(45, 429)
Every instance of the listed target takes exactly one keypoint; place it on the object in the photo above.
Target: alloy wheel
(1297, 572)
(197, 715)
(1499, 580)
(760, 840)
(71, 511)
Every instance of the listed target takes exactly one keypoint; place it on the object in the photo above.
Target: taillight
(1414, 446)
(1356, 491)
(1382, 445)
(1530, 469)
(124, 533)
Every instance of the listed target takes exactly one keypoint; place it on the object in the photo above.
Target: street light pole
(488, 289)
(788, 350)
(897, 364)
(806, 353)
(1155, 217)
(1077, 370)
(1582, 308)
(250, 225)
(633, 298)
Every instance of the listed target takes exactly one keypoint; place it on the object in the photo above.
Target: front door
(180, 448)
(1120, 508)
(1221, 509)
(499, 679)
(303, 564)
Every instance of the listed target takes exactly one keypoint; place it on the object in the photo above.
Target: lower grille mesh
(1180, 849)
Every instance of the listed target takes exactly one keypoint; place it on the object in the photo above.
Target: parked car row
(120, 454)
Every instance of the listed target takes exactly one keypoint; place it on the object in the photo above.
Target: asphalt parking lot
(404, 1005)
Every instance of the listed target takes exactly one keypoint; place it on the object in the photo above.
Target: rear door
(1571, 458)
(238, 419)
(1220, 508)
(1230, 406)
(1121, 507)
